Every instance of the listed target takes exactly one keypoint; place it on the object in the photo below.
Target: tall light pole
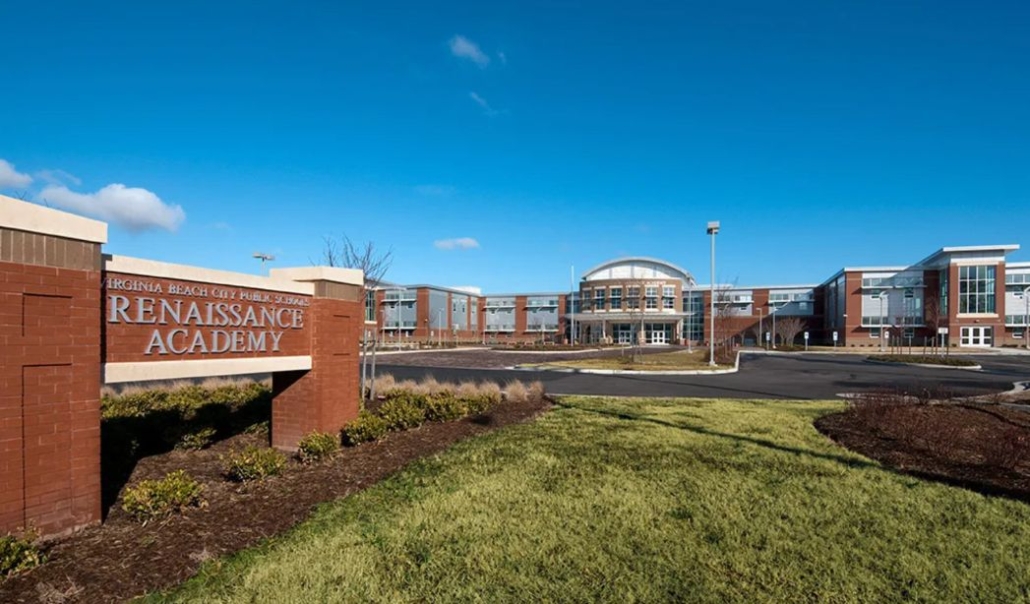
(439, 324)
(882, 291)
(713, 230)
(263, 258)
(690, 324)
(1026, 317)
(572, 305)
(761, 334)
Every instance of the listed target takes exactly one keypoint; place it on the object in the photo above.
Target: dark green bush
(367, 427)
(135, 422)
(254, 463)
(443, 408)
(196, 439)
(155, 498)
(18, 554)
(317, 446)
(402, 413)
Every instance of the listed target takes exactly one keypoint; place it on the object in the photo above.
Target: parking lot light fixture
(713, 230)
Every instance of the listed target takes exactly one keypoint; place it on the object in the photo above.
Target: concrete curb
(549, 351)
(926, 365)
(1017, 388)
(380, 353)
(560, 369)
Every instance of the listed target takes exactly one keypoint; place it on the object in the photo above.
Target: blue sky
(529, 136)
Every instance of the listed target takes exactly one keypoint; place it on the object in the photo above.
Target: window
(633, 298)
(909, 333)
(598, 300)
(616, 295)
(651, 298)
(942, 295)
(370, 305)
(669, 297)
(874, 332)
(976, 289)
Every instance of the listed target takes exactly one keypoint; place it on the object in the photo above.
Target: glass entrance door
(977, 337)
(658, 333)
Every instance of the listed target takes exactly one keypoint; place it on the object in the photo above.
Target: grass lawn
(623, 500)
(661, 361)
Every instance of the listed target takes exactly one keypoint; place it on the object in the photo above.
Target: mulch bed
(981, 447)
(122, 558)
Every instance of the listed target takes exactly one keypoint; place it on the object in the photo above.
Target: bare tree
(932, 317)
(373, 263)
(725, 322)
(344, 253)
(789, 328)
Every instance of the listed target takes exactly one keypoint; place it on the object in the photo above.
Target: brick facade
(49, 382)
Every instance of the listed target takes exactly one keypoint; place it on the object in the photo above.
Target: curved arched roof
(639, 262)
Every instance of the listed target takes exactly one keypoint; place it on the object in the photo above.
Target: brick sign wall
(71, 318)
(152, 319)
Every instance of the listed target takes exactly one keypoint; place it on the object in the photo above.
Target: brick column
(50, 317)
(326, 397)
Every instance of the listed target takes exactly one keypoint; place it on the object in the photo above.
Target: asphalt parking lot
(793, 376)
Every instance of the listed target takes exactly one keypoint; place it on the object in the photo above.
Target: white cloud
(132, 208)
(503, 57)
(463, 48)
(487, 109)
(460, 243)
(9, 177)
(58, 177)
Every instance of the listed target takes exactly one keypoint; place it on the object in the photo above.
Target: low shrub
(402, 413)
(155, 498)
(367, 427)
(444, 407)
(254, 463)
(478, 397)
(196, 439)
(259, 428)
(946, 361)
(317, 446)
(18, 554)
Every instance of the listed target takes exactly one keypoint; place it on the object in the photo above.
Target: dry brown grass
(516, 392)
(211, 383)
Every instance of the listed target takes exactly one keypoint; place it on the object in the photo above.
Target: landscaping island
(681, 360)
(916, 359)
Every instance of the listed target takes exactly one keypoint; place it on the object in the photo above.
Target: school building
(960, 296)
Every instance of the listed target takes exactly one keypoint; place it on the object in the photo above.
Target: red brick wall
(326, 397)
(50, 389)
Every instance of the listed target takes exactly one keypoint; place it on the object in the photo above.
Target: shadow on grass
(761, 442)
(126, 440)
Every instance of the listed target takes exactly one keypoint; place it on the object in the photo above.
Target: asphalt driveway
(794, 376)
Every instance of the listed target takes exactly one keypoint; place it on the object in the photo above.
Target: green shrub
(254, 463)
(402, 413)
(367, 427)
(196, 439)
(259, 428)
(444, 408)
(318, 446)
(18, 554)
(155, 498)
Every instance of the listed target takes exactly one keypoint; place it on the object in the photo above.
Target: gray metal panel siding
(438, 309)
